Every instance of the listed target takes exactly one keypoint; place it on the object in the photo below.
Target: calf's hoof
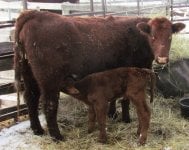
(102, 139)
(142, 140)
(112, 116)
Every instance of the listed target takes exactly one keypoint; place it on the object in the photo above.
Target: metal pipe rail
(11, 112)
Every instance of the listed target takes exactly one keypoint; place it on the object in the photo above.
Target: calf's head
(159, 32)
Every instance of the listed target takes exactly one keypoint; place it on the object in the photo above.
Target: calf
(97, 89)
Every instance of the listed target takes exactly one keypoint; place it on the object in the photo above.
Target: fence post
(171, 10)
(104, 7)
(92, 6)
(167, 6)
(24, 3)
(138, 7)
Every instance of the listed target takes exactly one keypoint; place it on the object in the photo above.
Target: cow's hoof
(126, 120)
(58, 138)
(90, 130)
(38, 131)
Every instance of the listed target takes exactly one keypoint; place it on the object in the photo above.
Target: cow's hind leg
(49, 97)
(31, 96)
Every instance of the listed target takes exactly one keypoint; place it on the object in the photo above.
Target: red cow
(50, 48)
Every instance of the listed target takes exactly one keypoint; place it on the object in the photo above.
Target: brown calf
(98, 89)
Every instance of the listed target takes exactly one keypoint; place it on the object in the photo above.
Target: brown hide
(57, 47)
(99, 88)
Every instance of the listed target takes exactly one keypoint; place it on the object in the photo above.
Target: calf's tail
(152, 85)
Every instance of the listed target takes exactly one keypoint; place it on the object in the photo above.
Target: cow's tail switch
(17, 68)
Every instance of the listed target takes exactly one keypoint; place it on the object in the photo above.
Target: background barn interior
(168, 129)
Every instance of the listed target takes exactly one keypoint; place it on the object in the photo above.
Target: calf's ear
(177, 27)
(143, 27)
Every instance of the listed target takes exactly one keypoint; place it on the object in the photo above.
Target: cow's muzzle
(162, 60)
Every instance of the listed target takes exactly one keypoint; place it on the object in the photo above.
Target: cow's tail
(20, 60)
(21, 20)
(17, 69)
(19, 51)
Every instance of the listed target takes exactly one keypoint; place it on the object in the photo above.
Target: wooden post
(24, 2)
(104, 7)
(92, 6)
(167, 8)
(138, 7)
(171, 10)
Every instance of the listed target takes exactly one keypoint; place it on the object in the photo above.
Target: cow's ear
(177, 27)
(144, 27)
(72, 90)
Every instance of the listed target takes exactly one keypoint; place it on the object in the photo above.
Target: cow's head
(159, 32)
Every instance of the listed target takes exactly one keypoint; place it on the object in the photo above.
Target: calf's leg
(100, 107)
(145, 122)
(92, 119)
(143, 113)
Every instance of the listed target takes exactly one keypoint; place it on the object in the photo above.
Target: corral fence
(177, 10)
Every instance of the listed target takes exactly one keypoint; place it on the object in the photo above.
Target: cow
(97, 89)
(49, 48)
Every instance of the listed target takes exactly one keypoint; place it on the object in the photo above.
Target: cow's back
(80, 46)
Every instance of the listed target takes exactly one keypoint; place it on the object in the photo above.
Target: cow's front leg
(125, 110)
(31, 96)
(50, 100)
(112, 110)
